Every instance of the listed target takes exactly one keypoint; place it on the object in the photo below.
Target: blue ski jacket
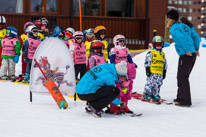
(101, 75)
(185, 38)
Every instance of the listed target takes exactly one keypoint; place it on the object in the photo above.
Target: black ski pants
(185, 66)
(80, 68)
(102, 97)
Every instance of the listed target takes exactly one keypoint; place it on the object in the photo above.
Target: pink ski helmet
(27, 24)
(77, 33)
(131, 71)
(117, 37)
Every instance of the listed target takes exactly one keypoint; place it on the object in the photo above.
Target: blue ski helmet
(12, 31)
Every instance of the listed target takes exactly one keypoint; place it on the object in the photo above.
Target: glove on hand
(164, 73)
(148, 72)
(16, 59)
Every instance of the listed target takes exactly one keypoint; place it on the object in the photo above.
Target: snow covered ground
(42, 118)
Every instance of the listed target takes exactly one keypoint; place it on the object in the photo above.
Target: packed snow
(42, 118)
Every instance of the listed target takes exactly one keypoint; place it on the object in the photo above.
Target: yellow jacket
(2, 33)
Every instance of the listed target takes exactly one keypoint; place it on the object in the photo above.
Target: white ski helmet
(117, 37)
(2, 20)
(70, 30)
(30, 28)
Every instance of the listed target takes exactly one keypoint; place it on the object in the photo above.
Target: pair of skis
(122, 114)
(139, 96)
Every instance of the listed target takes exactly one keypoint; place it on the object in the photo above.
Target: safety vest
(24, 37)
(79, 53)
(41, 36)
(2, 33)
(33, 44)
(121, 55)
(88, 45)
(99, 59)
(157, 63)
(8, 47)
(105, 48)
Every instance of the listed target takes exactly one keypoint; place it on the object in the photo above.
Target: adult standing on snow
(187, 47)
(97, 86)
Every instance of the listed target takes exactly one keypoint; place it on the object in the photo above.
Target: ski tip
(137, 115)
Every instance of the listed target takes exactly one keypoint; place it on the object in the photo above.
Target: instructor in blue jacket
(98, 87)
(187, 44)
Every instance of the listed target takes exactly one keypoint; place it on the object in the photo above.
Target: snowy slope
(42, 118)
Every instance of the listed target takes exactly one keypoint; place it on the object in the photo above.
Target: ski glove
(148, 72)
(16, 59)
(164, 73)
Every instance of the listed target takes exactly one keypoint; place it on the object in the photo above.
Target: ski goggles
(90, 34)
(158, 44)
(79, 38)
(102, 33)
(35, 31)
(69, 34)
(121, 40)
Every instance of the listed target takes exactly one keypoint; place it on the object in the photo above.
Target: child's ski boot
(113, 110)
(127, 110)
(27, 78)
(4, 77)
(12, 78)
(148, 97)
(157, 98)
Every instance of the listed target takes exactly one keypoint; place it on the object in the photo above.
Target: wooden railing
(134, 29)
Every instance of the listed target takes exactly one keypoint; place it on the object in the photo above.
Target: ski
(135, 115)
(127, 114)
(139, 96)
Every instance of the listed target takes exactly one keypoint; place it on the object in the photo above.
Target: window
(43, 6)
(120, 8)
(189, 2)
(189, 18)
(184, 10)
(12, 6)
(185, 2)
(180, 9)
(36, 5)
(170, 1)
(88, 7)
(180, 2)
(51, 6)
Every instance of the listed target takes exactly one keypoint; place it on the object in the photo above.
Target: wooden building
(135, 19)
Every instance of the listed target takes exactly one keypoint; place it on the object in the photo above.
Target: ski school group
(104, 75)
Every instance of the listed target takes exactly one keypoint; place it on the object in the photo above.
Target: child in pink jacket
(78, 52)
(125, 87)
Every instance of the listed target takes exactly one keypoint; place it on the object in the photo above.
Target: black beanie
(173, 14)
